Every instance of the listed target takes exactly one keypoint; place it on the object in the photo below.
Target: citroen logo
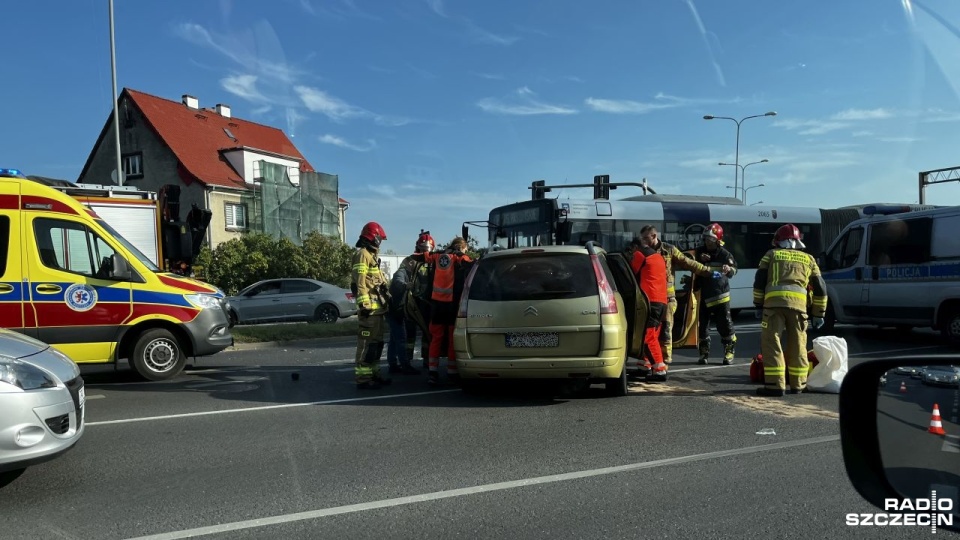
(531, 311)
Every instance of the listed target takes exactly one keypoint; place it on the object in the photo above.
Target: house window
(235, 216)
(133, 165)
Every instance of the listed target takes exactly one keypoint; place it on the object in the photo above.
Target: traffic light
(538, 189)
(601, 189)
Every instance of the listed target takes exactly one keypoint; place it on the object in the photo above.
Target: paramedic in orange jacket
(651, 270)
(448, 277)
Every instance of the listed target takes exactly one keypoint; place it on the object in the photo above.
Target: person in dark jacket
(715, 294)
(398, 358)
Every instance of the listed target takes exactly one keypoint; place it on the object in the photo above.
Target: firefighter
(780, 296)
(651, 271)
(403, 331)
(715, 294)
(425, 244)
(449, 269)
(673, 257)
(370, 290)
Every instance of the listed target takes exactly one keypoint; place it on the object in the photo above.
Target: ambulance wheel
(618, 387)
(157, 355)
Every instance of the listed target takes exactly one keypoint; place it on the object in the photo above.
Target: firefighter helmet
(787, 232)
(373, 233)
(425, 243)
(714, 231)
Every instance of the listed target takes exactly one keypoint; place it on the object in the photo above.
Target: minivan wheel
(618, 387)
(157, 356)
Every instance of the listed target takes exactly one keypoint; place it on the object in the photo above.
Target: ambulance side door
(78, 308)
(11, 274)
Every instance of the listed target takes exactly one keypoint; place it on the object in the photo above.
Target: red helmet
(714, 231)
(425, 242)
(374, 233)
(787, 232)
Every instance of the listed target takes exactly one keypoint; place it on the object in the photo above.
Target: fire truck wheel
(157, 356)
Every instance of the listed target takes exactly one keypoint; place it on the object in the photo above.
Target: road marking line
(951, 444)
(95, 396)
(888, 351)
(266, 408)
(486, 488)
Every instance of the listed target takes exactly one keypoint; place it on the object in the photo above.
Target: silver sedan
(291, 299)
(42, 399)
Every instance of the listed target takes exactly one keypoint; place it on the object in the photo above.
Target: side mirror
(120, 268)
(900, 448)
(464, 233)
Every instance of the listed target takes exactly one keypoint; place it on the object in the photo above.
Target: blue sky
(434, 111)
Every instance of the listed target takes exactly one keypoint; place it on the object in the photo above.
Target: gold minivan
(551, 312)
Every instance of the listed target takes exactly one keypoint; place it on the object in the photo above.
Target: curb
(288, 344)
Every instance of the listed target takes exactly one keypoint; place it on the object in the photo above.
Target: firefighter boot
(728, 349)
(704, 351)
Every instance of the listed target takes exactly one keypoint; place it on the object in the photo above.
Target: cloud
(268, 81)
(900, 139)
(243, 86)
(811, 127)
(338, 110)
(490, 76)
(624, 106)
(706, 36)
(527, 105)
(660, 101)
(863, 114)
(475, 31)
(338, 141)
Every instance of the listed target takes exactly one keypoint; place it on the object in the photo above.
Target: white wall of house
(246, 162)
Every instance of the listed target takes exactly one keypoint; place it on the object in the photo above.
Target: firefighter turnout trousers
(720, 314)
(666, 330)
(369, 347)
(786, 355)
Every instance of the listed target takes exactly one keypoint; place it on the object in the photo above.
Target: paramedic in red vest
(447, 284)
(651, 270)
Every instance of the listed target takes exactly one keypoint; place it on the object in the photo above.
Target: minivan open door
(636, 303)
(686, 319)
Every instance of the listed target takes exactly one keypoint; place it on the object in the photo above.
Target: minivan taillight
(462, 312)
(608, 300)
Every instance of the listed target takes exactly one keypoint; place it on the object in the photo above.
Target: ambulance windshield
(123, 241)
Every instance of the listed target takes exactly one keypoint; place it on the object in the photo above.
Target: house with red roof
(232, 167)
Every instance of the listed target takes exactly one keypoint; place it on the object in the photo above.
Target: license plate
(83, 396)
(533, 339)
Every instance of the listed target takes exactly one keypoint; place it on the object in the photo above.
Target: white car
(42, 399)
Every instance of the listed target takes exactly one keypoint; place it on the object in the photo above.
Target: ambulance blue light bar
(12, 173)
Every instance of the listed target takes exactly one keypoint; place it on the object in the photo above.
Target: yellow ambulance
(69, 279)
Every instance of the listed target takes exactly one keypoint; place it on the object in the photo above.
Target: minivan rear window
(533, 277)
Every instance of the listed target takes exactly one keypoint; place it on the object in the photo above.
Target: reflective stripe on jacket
(783, 278)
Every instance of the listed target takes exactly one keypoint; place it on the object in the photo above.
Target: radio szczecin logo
(931, 512)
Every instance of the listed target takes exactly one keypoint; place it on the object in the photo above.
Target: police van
(69, 279)
(898, 268)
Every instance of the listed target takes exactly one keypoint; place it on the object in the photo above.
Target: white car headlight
(23, 375)
(204, 301)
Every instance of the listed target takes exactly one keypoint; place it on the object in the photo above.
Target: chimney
(191, 101)
(223, 110)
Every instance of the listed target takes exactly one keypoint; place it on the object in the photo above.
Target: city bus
(680, 219)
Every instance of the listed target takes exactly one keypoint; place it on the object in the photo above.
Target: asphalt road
(236, 448)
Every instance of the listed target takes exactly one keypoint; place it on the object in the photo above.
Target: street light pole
(743, 176)
(737, 154)
(746, 189)
(116, 107)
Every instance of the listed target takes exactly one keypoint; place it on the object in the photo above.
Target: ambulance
(69, 279)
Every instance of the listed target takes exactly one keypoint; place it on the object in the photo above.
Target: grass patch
(259, 333)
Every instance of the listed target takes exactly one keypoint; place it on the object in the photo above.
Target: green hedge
(253, 257)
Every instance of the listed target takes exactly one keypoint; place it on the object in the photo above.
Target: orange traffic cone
(936, 426)
(903, 387)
